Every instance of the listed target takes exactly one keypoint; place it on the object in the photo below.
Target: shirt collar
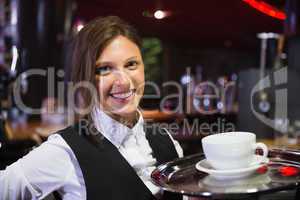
(113, 130)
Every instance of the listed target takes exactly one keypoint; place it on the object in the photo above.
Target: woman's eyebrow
(104, 63)
(131, 58)
(112, 63)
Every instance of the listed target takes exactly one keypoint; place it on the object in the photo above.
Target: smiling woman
(107, 54)
(120, 79)
(107, 153)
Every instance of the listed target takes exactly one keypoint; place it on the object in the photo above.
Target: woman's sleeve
(37, 174)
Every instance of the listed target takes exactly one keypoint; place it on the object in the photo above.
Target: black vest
(106, 172)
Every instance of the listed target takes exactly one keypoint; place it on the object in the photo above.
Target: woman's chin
(126, 109)
(126, 112)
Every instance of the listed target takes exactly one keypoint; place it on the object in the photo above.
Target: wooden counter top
(36, 129)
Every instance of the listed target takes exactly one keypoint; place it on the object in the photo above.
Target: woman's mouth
(122, 95)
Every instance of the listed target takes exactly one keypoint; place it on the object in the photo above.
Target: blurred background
(203, 46)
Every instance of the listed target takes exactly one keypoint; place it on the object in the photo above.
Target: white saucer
(258, 162)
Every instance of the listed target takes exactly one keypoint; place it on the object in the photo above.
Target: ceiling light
(79, 27)
(159, 14)
(79, 24)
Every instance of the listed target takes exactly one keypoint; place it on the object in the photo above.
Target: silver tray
(180, 176)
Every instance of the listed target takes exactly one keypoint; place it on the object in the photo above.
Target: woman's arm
(14, 185)
(39, 173)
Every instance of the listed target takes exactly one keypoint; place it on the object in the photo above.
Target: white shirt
(53, 166)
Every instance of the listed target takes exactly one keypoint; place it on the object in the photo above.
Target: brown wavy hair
(88, 45)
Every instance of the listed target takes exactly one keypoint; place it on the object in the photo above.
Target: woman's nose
(121, 78)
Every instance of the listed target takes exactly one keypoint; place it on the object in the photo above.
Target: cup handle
(262, 146)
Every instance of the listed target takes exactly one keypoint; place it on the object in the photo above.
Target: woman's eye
(104, 70)
(132, 64)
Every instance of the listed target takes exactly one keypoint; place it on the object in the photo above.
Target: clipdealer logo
(280, 121)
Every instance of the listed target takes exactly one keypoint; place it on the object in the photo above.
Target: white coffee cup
(231, 150)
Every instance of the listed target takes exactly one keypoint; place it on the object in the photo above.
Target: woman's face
(120, 77)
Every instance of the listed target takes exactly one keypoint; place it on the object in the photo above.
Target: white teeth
(122, 95)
